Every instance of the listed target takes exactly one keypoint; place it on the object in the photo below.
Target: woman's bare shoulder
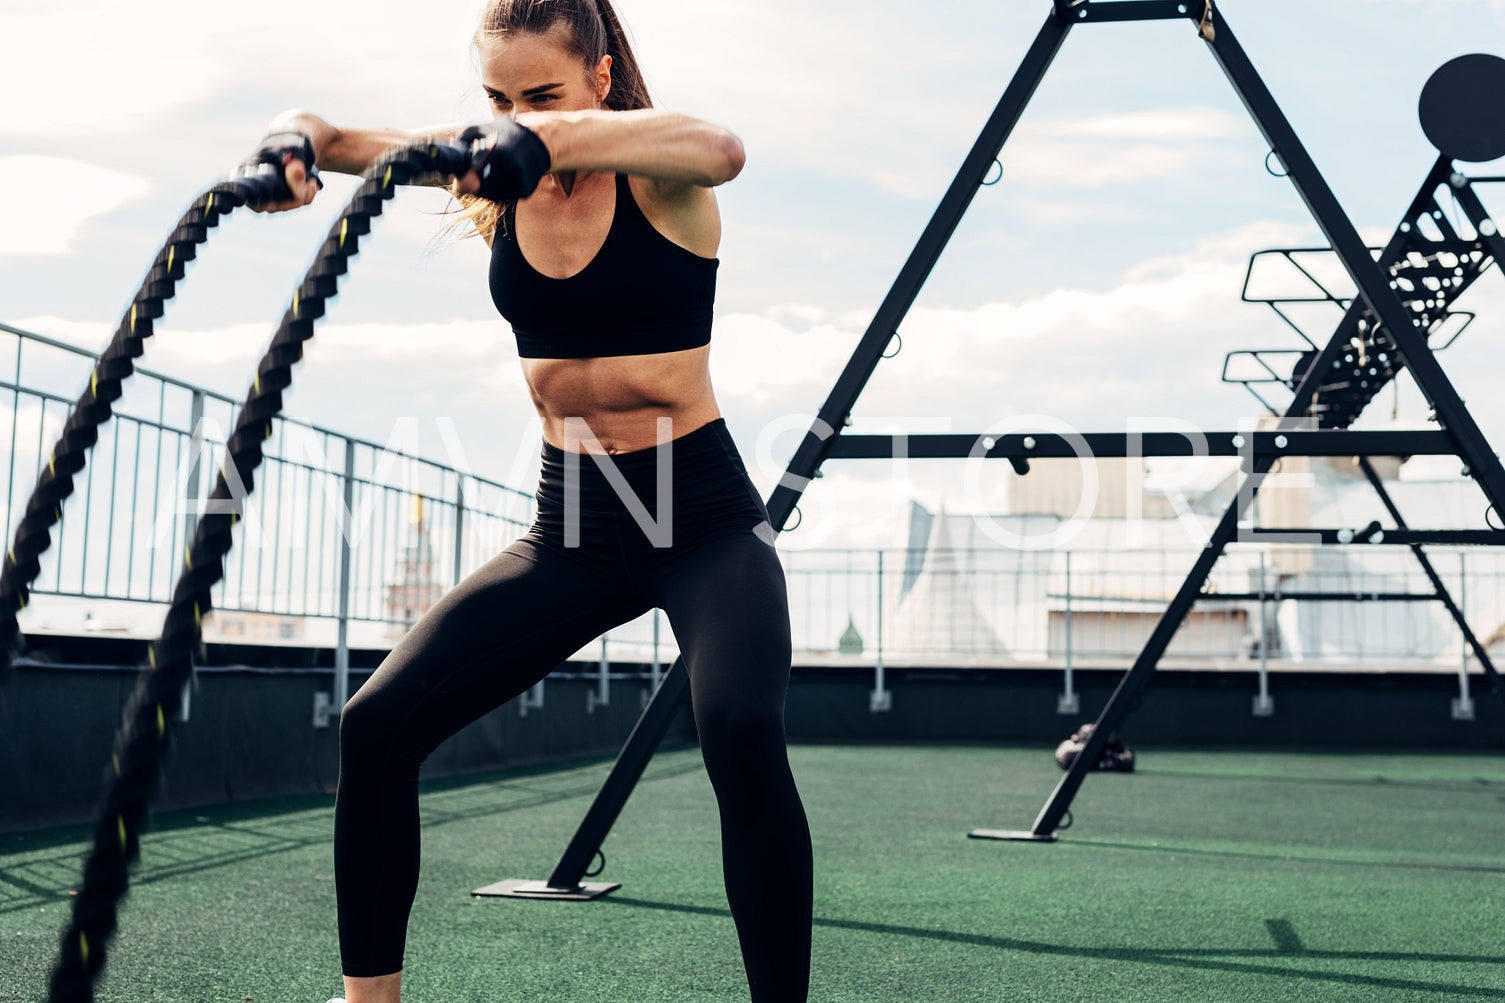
(685, 213)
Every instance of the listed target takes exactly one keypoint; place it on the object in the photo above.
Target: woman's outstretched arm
(347, 151)
(665, 146)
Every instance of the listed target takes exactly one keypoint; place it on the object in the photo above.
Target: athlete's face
(534, 72)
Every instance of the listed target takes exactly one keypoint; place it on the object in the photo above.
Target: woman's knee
(361, 720)
(735, 734)
(372, 728)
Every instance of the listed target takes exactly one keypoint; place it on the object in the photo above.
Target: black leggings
(703, 553)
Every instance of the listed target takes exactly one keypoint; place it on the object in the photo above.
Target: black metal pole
(1392, 252)
(1373, 287)
(566, 881)
(1106, 445)
(1410, 344)
(833, 413)
(1133, 681)
(1496, 684)
(647, 734)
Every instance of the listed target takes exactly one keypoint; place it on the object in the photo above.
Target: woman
(607, 273)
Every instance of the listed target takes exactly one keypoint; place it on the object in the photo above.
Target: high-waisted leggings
(680, 527)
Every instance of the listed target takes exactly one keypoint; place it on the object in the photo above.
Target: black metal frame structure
(1377, 308)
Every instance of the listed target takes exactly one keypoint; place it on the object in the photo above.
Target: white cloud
(39, 221)
(1118, 149)
(90, 66)
(826, 88)
(102, 67)
(204, 354)
(1168, 124)
(1068, 211)
(1095, 356)
(1148, 345)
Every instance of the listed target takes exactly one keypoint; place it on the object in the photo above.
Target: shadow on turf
(1288, 947)
(1475, 785)
(175, 845)
(1287, 857)
(260, 809)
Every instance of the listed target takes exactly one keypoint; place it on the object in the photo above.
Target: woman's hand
(291, 153)
(303, 187)
(510, 167)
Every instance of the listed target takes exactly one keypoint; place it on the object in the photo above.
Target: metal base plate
(1023, 835)
(517, 888)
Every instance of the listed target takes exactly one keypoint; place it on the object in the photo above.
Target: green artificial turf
(1206, 876)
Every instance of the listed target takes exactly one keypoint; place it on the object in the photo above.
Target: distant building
(969, 588)
(239, 627)
(415, 585)
(850, 642)
(938, 611)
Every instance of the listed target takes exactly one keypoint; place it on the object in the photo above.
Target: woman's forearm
(658, 144)
(353, 150)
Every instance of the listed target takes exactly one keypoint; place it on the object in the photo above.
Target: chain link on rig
(145, 734)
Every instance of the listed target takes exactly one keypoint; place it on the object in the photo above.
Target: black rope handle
(44, 509)
(144, 736)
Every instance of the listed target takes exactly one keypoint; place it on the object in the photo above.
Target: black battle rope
(45, 507)
(141, 743)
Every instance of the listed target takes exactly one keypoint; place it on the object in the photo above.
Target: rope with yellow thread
(145, 734)
(22, 563)
(92, 410)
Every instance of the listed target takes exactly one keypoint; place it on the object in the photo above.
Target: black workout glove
(511, 165)
(260, 176)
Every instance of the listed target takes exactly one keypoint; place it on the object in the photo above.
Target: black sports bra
(642, 293)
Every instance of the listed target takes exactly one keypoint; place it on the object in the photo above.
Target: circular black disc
(1463, 108)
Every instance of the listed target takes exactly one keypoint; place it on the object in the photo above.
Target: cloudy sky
(1098, 282)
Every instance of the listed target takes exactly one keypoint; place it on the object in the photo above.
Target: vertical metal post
(881, 699)
(532, 699)
(655, 668)
(195, 454)
(1463, 706)
(1068, 702)
(656, 673)
(601, 695)
(459, 523)
(342, 640)
(191, 512)
(1264, 704)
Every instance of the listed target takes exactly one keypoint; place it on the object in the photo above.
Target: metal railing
(1036, 608)
(1265, 609)
(339, 531)
(416, 526)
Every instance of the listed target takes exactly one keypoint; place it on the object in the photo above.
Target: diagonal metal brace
(1497, 685)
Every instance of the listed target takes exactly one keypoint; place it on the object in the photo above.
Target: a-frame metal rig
(1381, 314)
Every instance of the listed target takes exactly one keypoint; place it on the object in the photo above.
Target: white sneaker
(340, 1000)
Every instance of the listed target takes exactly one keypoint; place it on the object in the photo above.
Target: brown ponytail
(592, 30)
